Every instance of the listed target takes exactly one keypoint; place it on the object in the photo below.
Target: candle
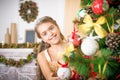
(2, 44)
(13, 33)
(7, 37)
(27, 44)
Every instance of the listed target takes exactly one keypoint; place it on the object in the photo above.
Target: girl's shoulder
(41, 54)
(44, 55)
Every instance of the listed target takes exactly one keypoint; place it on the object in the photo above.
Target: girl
(52, 39)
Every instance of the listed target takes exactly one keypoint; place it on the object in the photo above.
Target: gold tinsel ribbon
(101, 72)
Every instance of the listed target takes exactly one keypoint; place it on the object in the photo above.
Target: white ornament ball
(82, 13)
(64, 73)
(89, 46)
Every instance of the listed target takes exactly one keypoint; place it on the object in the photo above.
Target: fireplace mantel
(28, 71)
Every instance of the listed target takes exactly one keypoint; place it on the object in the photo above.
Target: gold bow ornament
(89, 25)
(69, 48)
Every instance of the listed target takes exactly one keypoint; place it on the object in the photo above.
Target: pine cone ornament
(89, 10)
(113, 41)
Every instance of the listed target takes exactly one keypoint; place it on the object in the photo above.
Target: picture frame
(30, 36)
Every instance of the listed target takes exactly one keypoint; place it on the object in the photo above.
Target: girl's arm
(45, 68)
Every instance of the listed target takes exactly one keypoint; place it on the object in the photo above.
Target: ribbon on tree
(68, 49)
(92, 72)
(76, 41)
(63, 65)
(102, 71)
(89, 25)
(75, 76)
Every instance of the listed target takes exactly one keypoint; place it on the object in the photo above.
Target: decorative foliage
(28, 11)
(22, 45)
(102, 63)
(20, 63)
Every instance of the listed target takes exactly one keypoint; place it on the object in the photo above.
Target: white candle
(2, 44)
(27, 44)
(13, 33)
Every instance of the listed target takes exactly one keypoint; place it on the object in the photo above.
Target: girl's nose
(50, 33)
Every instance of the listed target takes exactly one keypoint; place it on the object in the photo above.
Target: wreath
(28, 11)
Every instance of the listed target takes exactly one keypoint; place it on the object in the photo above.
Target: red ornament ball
(99, 6)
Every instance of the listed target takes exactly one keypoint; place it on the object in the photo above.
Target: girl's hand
(53, 78)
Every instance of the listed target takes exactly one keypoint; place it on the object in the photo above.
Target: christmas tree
(96, 40)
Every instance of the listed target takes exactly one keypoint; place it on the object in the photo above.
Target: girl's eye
(44, 34)
(51, 28)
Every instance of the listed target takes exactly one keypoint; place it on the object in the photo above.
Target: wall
(71, 8)
(9, 13)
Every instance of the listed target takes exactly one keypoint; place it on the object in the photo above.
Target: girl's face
(49, 33)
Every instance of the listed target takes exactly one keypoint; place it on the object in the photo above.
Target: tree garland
(28, 11)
